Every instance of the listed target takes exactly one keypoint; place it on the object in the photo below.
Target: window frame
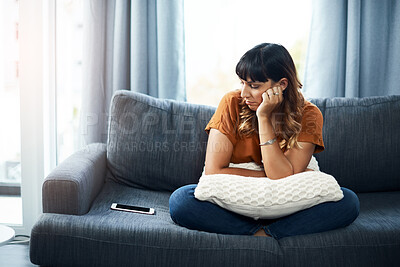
(37, 104)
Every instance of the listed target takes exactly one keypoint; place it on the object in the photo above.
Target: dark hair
(268, 61)
(272, 61)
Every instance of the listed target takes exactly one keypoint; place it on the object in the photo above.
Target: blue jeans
(191, 213)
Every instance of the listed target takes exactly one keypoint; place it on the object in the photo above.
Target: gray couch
(155, 146)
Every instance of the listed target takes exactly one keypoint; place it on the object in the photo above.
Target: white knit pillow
(263, 198)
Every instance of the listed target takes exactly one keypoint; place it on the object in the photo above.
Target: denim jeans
(191, 213)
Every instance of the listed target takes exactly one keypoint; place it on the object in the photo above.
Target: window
(41, 77)
(69, 46)
(10, 135)
(218, 33)
(40, 86)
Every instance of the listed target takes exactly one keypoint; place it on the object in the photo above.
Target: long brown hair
(269, 61)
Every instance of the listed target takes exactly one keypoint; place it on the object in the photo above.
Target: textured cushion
(265, 198)
(154, 143)
(361, 142)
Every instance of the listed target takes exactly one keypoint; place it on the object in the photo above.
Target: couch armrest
(72, 186)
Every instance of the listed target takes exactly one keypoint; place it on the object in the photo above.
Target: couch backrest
(154, 143)
(160, 144)
(361, 137)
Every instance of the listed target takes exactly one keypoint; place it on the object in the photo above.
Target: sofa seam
(343, 246)
(325, 105)
(157, 247)
(159, 108)
(360, 105)
(176, 248)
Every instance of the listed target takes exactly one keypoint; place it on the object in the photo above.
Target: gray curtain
(354, 49)
(135, 45)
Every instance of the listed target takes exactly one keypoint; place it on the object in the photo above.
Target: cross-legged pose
(268, 122)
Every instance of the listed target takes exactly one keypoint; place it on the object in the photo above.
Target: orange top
(226, 118)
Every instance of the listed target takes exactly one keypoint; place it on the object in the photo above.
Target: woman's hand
(271, 99)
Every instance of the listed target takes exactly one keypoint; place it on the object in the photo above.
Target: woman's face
(252, 91)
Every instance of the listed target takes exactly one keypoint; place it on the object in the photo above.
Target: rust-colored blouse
(226, 118)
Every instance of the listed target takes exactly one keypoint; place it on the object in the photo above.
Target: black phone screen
(128, 207)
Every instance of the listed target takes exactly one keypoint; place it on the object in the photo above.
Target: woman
(267, 122)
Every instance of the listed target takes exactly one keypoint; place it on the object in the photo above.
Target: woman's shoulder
(232, 96)
(226, 115)
(310, 108)
(229, 105)
(311, 114)
(311, 126)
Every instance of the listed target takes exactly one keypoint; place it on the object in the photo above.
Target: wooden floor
(15, 255)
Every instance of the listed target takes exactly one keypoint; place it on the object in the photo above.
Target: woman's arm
(300, 157)
(277, 164)
(218, 156)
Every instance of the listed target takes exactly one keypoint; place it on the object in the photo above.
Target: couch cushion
(375, 232)
(154, 143)
(362, 146)
(104, 237)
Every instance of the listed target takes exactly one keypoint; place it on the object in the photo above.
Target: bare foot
(261, 232)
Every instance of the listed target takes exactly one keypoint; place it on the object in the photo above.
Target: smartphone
(124, 207)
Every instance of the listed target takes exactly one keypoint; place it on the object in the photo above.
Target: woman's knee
(351, 204)
(179, 202)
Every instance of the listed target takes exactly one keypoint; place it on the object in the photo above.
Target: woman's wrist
(269, 142)
(265, 128)
(263, 117)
